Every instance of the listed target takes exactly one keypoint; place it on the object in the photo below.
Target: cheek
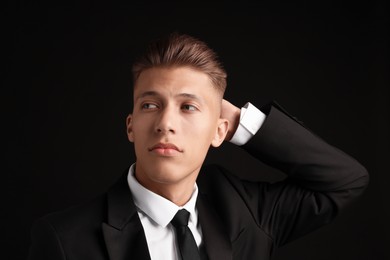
(202, 133)
(140, 126)
(139, 138)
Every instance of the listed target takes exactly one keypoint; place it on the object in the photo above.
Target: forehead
(172, 80)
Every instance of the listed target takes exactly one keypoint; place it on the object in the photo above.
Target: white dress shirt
(251, 119)
(156, 212)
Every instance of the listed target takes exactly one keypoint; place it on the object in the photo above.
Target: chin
(169, 173)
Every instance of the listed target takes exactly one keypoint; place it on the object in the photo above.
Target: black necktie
(185, 239)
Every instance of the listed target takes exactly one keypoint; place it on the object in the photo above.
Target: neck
(179, 196)
(178, 192)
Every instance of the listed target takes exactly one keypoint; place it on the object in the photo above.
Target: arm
(320, 178)
(45, 242)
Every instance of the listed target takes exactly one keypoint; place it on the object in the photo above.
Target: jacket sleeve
(320, 181)
(45, 242)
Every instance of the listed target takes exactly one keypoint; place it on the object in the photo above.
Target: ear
(129, 128)
(220, 133)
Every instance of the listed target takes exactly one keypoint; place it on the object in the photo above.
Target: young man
(179, 112)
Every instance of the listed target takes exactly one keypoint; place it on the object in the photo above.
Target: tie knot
(181, 218)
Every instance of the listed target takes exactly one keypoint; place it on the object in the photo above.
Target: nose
(166, 122)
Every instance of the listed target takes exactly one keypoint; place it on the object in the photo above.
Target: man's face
(176, 117)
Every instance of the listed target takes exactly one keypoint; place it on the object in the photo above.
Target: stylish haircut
(178, 50)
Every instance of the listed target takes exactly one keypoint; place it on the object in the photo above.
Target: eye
(147, 106)
(188, 107)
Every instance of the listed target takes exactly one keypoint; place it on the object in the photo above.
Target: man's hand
(232, 114)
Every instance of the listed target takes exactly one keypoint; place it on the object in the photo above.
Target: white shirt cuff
(251, 119)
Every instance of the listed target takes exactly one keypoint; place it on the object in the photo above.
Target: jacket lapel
(216, 240)
(123, 233)
(125, 238)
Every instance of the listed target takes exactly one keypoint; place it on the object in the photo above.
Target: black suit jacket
(239, 219)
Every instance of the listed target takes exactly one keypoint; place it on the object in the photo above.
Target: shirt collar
(156, 207)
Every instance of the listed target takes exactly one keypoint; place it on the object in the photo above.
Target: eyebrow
(146, 94)
(190, 96)
(156, 94)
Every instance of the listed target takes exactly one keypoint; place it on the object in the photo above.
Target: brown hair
(177, 50)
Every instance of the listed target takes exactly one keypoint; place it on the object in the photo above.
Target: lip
(165, 149)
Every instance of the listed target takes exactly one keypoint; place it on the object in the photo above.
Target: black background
(67, 90)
